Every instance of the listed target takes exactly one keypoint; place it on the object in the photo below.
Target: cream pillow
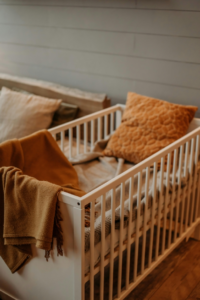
(22, 114)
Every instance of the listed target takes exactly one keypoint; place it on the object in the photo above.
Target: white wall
(151, 47)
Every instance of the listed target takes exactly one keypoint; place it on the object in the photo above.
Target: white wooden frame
(177, 214)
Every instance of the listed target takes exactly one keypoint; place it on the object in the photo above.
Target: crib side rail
(160, 197)
(148, 162)
(161, 220)
(82, 133)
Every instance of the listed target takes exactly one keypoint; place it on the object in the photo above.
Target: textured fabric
(99, 171)
(21, 114)
(32, 172)
(29, 214)
(148, 125)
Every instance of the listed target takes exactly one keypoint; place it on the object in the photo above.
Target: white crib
(175, 215)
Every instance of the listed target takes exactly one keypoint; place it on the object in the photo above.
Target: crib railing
(166, 208)
(171, 217)
(87, 130)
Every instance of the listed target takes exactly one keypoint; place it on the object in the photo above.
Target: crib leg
(79, 252)
(196, 233)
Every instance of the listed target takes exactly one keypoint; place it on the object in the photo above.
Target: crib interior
(160, 223)
(84, 132)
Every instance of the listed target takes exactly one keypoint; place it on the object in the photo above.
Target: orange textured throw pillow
(148, 125)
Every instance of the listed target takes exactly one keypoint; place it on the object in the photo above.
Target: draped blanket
(33, 170)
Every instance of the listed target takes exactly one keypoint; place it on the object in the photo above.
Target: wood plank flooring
(176, 278)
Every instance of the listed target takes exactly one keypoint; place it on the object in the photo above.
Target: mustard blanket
(33, 170)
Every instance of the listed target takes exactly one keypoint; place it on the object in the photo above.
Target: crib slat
(172, 196)
(198, 198)
(111, 123)
(112, 244)
(118, 118)
(62, 137)
(145, 219)
(70, 142)
(121, 238)
(195, 179)
(179, 191)
(92, 212)
(152, 213)
(160, 200)
(166, 200)
(102, 246)
(137, 226)
(189, 185)
(92, 133)
(131, 182)
(105, 126)
(191, 158)
(99, 129)
(183, 197)
(78, 139)
(185, 202)
(85, 136)
(79, 259)
(191, 177)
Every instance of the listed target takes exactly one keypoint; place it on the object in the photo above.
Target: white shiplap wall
(151, 47)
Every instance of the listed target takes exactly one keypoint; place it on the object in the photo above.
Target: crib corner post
(118, 118)
(79, 253)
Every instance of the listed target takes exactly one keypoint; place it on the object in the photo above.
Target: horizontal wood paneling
(114, 87)
(167, 48)
(140, 45)
(189, 5)
(172, 73)
(193, 5)
(110, 46)
(75, 3)
(181, 23)
(82, 40)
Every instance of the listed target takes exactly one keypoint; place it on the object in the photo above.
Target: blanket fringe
(57, 233)
(87, 215)
(47, 254)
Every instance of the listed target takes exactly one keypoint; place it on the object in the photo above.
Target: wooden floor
(176, 278)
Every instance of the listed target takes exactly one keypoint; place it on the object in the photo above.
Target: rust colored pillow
(148, 125)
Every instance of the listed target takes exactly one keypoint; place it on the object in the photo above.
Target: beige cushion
(148, 125)
(22, 114)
